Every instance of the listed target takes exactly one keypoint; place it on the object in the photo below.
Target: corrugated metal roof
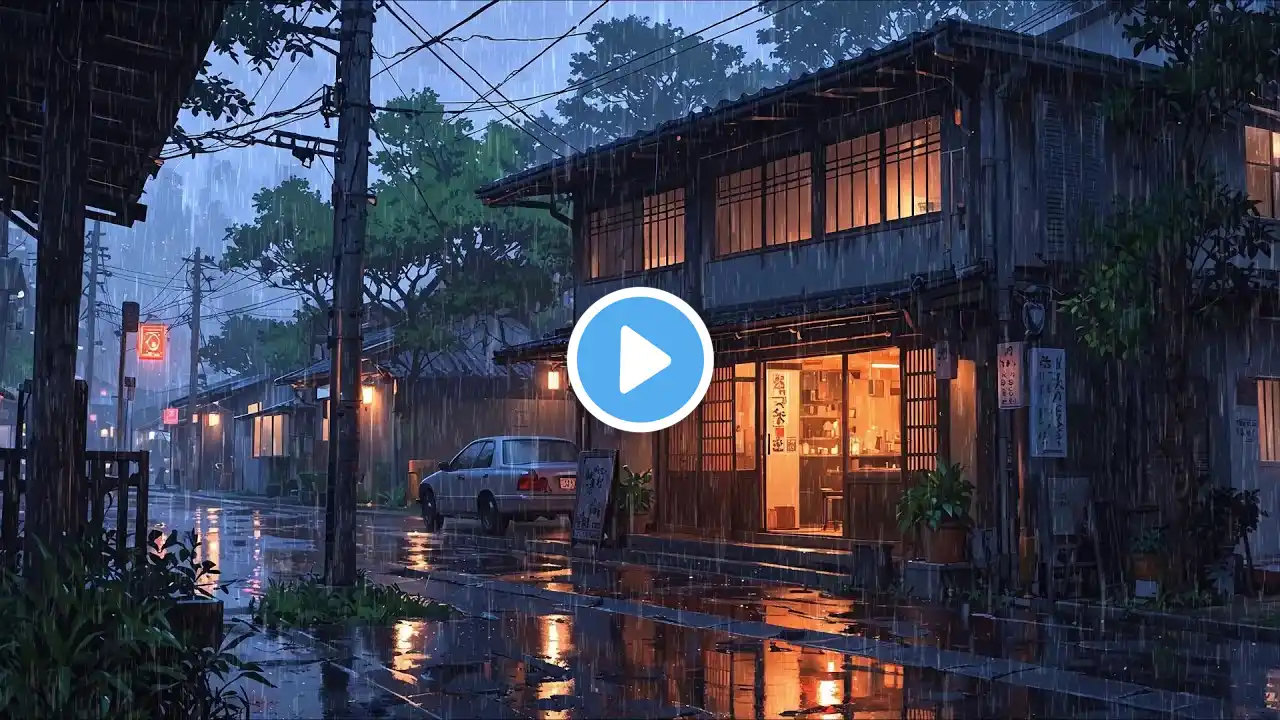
(945, 32)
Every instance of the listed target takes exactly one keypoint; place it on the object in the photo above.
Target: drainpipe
(997, 228)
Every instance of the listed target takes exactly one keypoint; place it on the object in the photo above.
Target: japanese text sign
(1048, 403)
(1009, 377)
(171, 416)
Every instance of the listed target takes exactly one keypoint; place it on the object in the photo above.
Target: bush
(92, 638)
(308, 603)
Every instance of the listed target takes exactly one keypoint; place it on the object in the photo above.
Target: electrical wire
(473, 89)
(583, 83)
(533, 59)
(428, 43)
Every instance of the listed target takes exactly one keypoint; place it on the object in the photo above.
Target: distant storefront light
(104, 432)
(195, 419)
(214, 419)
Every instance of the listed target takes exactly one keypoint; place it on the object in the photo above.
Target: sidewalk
(1245, 619)
(269, 502)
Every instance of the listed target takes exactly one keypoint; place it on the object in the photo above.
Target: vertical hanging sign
(779, 421)
(1009, 386)
(944, 360)
(1048, 403)
(151, 341)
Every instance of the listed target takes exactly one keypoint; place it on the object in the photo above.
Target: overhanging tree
(248, 345)
(811, 35)
(1170, 265)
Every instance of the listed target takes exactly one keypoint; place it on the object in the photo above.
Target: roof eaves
(498, 191)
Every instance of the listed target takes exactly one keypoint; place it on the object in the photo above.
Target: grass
(308, 602)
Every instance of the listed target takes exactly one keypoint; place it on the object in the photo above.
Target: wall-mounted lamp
(366, 394)
(215, 419)
(553, 380)
(195, 419)
(104, 432)
(151, 435)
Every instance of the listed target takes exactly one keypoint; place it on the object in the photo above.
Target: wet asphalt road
(549, 662)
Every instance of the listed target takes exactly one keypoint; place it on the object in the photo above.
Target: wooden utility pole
(350, 213)
(55, 467)
(193, 378)
(5, 314)
(91, 323)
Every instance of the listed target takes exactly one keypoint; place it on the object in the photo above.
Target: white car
(500, 479)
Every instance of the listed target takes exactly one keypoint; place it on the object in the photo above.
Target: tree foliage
(248, 345)
(809, 36)
(639, 73)
(259, 34)
(435, 256)
(1166, 266)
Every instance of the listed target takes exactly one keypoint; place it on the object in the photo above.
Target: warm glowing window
(1269, 420)
(1262, 169)
(253, 408)
(913, 169)
(324, 423)
(269, 436)
(765, 206)
(636, 236)
(853, 183)
(664, 229)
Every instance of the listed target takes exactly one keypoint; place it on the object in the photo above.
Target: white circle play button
(640, 359)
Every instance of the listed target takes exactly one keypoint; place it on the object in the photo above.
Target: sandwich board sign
(593, 504)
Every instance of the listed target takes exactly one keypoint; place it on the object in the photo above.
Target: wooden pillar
(56, 466)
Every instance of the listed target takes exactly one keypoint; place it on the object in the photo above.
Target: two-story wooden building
(846, 237)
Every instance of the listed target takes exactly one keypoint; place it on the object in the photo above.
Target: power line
(583, 83)
(428, 43)
(490, 38)
(533, 59)
(473, 89)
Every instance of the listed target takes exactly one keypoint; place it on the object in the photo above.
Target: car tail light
(531, 482)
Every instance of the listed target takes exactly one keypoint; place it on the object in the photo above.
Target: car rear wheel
(431, 517)
(492, 521)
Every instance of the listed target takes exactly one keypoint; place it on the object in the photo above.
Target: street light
(366, 394)
(214, 419)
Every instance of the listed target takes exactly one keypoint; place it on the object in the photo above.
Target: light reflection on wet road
(595, 664)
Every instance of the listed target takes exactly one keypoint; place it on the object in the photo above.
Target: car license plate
(568, 483)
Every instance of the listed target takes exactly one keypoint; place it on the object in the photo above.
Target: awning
(756, 325)
(288, 406)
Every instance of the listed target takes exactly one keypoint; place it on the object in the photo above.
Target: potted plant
(635, 499)
(937, 507)
(1144, 555)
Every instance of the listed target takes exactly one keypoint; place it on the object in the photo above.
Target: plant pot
(948, 544)
(1146, 566)
(638, 523)
(198, 622)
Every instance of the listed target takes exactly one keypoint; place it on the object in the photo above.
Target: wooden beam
(55, 509)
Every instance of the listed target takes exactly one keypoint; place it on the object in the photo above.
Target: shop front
(810, 442)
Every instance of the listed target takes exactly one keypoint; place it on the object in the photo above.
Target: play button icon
(640, 359)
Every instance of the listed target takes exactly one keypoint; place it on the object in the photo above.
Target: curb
(1099, 614)
(1011, 672)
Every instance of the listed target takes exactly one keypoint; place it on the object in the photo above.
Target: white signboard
(944, 360)
(1048, 403)
(597, 470)
(1009, 376)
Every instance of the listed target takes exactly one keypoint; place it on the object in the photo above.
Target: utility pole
(91, 325)
(128, 324)
(4, 292)
(350, 213)
(197, 428)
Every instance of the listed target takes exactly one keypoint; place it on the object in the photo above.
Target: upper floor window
(1262, 169)
(765, 206)
(891, 175)
(636, 236)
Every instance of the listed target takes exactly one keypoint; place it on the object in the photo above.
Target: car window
(467, 457)
(485, 458)
(527, 451)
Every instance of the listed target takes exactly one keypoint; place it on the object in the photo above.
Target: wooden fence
(109, 476)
